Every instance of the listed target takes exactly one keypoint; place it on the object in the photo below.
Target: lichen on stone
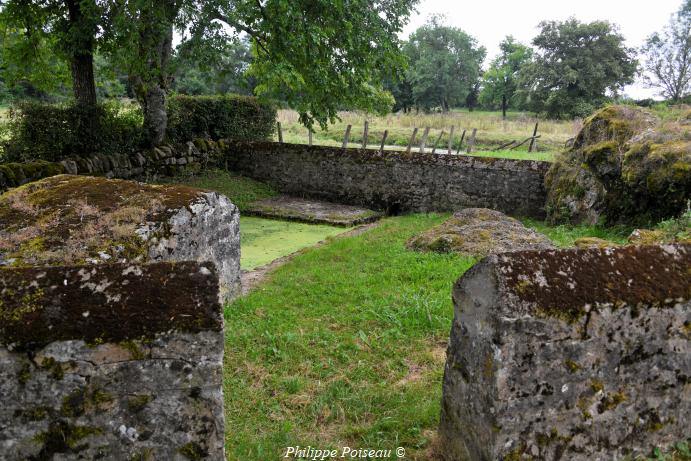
(76, 219)
(477, 232)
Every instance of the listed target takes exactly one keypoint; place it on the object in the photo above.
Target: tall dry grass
(492, 130)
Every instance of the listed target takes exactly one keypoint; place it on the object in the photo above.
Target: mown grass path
(343, 346)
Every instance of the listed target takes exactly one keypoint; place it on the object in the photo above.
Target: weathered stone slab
(312, 211)
(111, 362)
(68, 219)
(571, 354)
(479, 232)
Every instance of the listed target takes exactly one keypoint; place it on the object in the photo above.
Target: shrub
(219, 117)
(53, 132)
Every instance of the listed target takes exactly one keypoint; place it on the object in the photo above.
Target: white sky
(489, 21)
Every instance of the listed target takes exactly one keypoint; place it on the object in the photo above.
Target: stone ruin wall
(389, 181)
(149, 164)
(111, 362)
(394, 181)
(569, 354)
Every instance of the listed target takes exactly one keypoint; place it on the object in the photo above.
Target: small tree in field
(500, 82)
(576, 67)
(668, 56)
(444, 65)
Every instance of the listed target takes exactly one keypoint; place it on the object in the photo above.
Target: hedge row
(15, 174)
(54, 132)
(241, 118)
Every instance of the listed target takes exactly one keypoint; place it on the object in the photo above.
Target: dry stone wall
(111, 362)
(394, 181)
(570, 354)
(168, 160)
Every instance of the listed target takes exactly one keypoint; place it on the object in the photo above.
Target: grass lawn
(343, 346)
(565, 235)
(264, 240)
(239, 189)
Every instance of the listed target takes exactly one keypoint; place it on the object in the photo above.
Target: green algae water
(263, 240)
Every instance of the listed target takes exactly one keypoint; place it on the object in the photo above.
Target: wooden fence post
(423, 141)
(532, 141)
(383, 140)
(347, 136)
(364, 135)
(280, 132)
(412, 140)
(451, 130)
(471, 141)
(434, 148)
(460, 145)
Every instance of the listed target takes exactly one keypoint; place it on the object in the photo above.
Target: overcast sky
(489, 21)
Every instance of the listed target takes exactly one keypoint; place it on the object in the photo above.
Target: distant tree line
(320, 57)
(571, 68)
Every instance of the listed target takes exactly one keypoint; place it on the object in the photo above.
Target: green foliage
(677, 229)
(53, 132)
(575, 67)
(210, 70)
(500, 81)
(668, 56)
(29, 48)
(320, 55)
(444, 65)
(220, 117)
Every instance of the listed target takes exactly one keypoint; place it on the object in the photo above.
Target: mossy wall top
(564, 283)
(68, 219)
(106, 303)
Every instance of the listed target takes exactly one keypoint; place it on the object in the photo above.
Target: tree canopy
(668, 56)
(318, 55)
(500, 81)
(576, 66)
(444, 65)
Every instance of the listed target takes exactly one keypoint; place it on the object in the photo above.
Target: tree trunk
(81, 45)
(155, 49)
(503, 107)
(155, 115)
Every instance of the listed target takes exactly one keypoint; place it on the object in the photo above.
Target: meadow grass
(564, 235)
(343, 346)
(241, 190)
(492, 130)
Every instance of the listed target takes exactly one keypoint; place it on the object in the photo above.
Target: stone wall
(571, 354)
(169, 160)
(111, 362)
(394, 181)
